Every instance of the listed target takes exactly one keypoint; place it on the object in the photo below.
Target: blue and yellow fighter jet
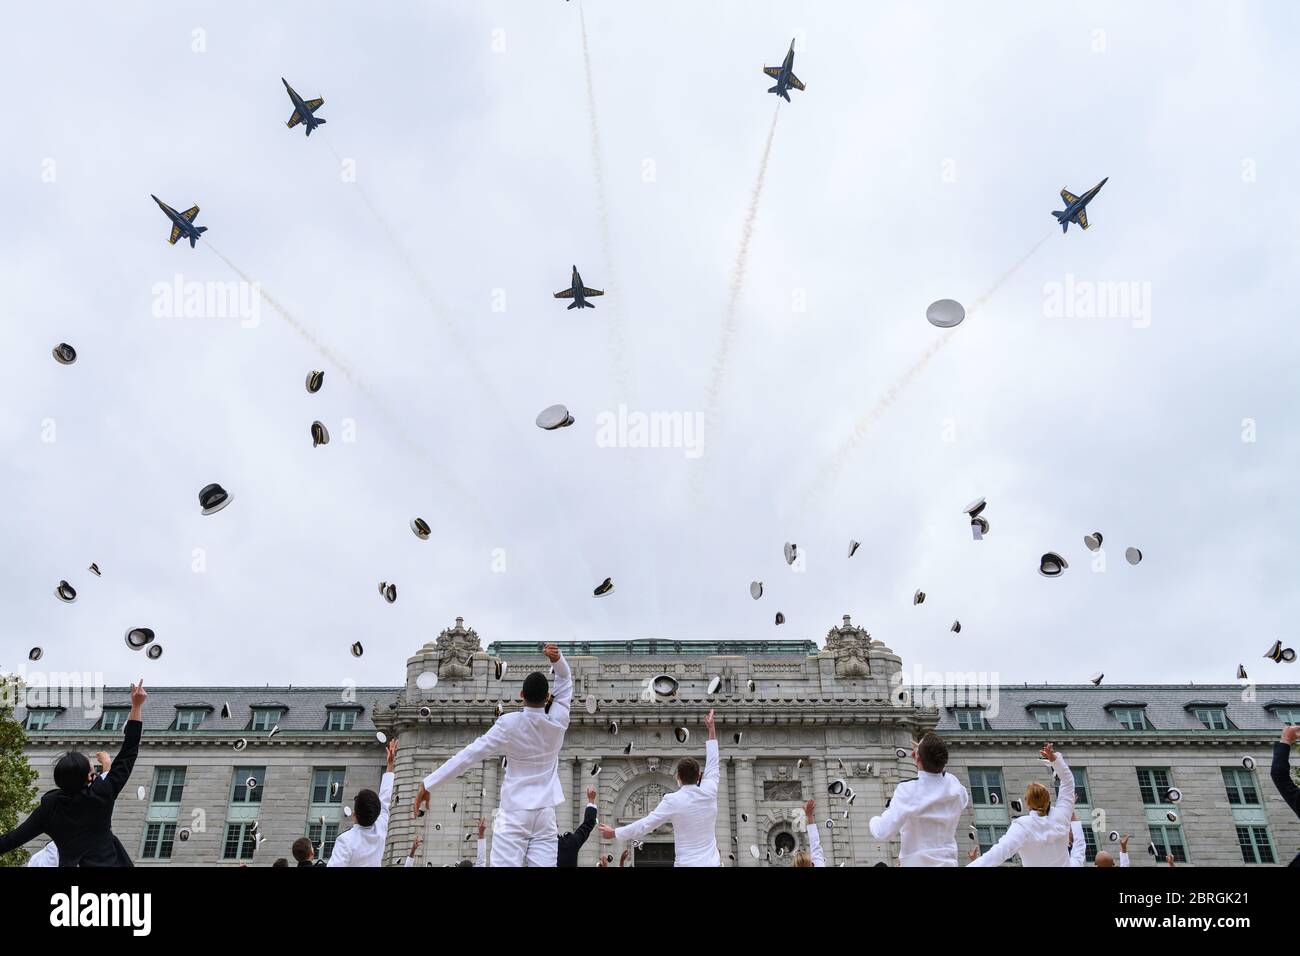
(303, 109)
(182, 222)
(1076, 207)
(579, 293)
(784, 76)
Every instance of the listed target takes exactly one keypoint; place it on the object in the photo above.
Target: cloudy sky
(416, 239)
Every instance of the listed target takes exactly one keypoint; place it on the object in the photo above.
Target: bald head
(1104, 859)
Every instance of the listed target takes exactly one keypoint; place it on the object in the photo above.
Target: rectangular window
(1131, 718)
(1080, 786)
(1154, 784)
(239, 843)
(113, 718)
(327, 785)
(1169, 841)
(986, 836)
(1255, 844)
(1240, 784)
(986, 786)
(39, 719)
(189, 719)
(168, 784)
(1050, 718)
(329, 832)
(1288, 715)
(341, 720)
(970, 718)
(158, 839)
(1214, 718)
(241, 791)
(264, 718)
(1090, 855)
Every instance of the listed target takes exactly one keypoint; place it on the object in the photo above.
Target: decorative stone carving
(642, 801)
(782, 790)
(849, 646)
(457, 646)
(783, 771)
(652, 764)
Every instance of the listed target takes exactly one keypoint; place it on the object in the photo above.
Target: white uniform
(815, 846)
(364, 846)
(1078, 846)
(47, 855)
(925, 812)
(1040, 840)
(693, 812)
(524, 831)
(480, 859)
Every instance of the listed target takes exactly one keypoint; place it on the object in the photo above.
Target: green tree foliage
(17, 776)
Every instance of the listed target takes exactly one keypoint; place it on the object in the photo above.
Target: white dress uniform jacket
(364, 846)
(530, 740)
(1040, 840)
(693, 812)
(1078, 846)
(925, 812)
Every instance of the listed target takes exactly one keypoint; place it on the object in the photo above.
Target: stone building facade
(792, 720)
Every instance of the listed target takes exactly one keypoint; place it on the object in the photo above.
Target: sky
(410, 248)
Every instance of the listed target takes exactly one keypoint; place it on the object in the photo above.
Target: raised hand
(1291, 734)
(552, 653)
(421, 797)
(974, 854)
(606, 831)
(622, 860)
(482, 827)
(591, 794)
(138, 697)
(1123, 844)
(392, 753)
(709, 723)
(1047, 753)
(808, 809)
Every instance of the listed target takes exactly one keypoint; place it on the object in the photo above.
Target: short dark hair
(365, 808)
(303, 849)
(465, 863)
(281, 862)
(71, 771)
(688, 770)
(933, 753)
(536, 688)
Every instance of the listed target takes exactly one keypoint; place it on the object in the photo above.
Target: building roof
(307, 707)
(1089, 708)
(656, 647)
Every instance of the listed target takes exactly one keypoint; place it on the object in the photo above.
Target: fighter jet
(302, 111)
(784, 76)
(1076, 207)
(579, 293)
(182, 222)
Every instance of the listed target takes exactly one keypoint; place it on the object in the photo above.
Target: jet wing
(588, 293)
(772, 71)
(294, 120)
(189, 214)
(176, 234)
(315, 104)
(796, 82)
(1068, 196)
(1083, 219)
(566, 294)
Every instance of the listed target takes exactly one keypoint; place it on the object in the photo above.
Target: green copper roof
(654, 647)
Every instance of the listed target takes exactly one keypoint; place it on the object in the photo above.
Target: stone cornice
(1110, 738)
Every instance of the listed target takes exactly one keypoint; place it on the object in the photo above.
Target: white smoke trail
(738, 281)
(614, 325)
(867, 422)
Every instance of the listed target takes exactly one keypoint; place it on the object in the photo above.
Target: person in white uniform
(524, 831)
(1042, 835)
(363, 843)
(1078, 843)
(925, 810)
(692, 809)
(813, 856)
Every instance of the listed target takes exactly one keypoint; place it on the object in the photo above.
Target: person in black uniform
(571, 842)
(78, 813)
(1281, 774)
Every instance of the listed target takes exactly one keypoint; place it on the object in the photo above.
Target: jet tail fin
(200, 229)
(572, 305)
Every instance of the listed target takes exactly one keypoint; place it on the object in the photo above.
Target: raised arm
(562, 693)
(588, 821)
(124, 762)
(639, 828)
(410, 857)
(489, 745)
(709, 782)
(1078, 845)
(814, 838)
(1280, 772)
(26, 831)
(386, 791)
(1064, 808)
(888, 824)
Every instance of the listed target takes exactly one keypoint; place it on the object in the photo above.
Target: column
(723, 829)
(591, 850)
(564, 819)
(821, 780)
(746, 804)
